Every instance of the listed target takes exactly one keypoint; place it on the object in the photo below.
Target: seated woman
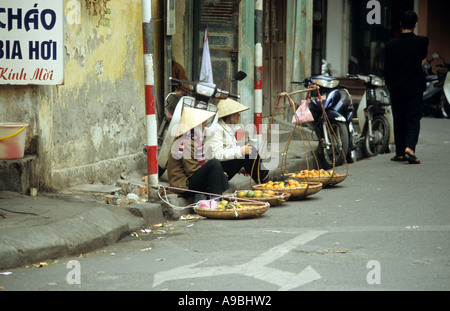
(223, 144)
(187, 168)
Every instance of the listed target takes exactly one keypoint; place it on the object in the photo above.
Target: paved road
(386, 227)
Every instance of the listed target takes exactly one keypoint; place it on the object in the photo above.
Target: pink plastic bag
(208, 204)
(303, 113)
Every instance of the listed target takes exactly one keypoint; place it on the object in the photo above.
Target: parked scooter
(338, 143)
(434, 97)
(199, 95)
(374, 116)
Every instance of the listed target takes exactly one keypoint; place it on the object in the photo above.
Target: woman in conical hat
(223, 145)
(187, 168)
(191, 118)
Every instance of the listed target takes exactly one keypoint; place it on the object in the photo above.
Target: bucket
(12, 140)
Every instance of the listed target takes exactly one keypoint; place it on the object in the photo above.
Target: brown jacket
(178, 171)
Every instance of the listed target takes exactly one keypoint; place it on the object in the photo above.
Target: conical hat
(229, 106)
(190, 118)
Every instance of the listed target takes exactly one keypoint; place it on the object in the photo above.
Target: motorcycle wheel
(341, 131)
(381, 131)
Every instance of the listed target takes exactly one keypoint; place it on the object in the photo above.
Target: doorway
(221, 18)
(274, 52)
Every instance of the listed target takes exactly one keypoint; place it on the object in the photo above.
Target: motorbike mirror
(240, 75)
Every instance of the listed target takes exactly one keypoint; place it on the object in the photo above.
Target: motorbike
(374, 117)
(435, 101)
(339, 142)
(198, 95)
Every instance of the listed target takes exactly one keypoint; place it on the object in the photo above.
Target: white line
(254, 268)
(279, 251)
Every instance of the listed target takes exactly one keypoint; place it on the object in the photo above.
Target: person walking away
(406, 82)
(222, 144)
(188, 171)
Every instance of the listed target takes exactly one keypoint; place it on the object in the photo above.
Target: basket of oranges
(327, 178)
(274, 198)
(295, 188)
(230, 209)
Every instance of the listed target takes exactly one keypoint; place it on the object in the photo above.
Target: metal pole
(149, 76)
(258, 68)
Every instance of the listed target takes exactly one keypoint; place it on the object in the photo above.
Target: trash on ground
(273, 231)
(340, 251)
(190, 217)
(116, 199)
(132, 198)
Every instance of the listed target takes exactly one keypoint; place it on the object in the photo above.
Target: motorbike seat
(323, 77)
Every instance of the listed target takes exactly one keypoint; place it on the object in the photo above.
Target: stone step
(18, 175)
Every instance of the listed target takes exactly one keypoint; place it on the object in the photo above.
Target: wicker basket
(273, 200)
(325, 180)
(298, 192)
(250, 209)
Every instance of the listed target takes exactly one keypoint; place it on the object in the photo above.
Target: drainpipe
(149, 77)
(258, 68)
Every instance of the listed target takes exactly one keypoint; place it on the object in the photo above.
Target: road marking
(255, 268)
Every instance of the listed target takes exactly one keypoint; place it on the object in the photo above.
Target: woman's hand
(244, 172)
(247, 149)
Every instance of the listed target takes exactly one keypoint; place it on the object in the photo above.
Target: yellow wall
(93, 126)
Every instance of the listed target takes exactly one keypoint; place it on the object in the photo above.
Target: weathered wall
(299, 41)
(93, 127)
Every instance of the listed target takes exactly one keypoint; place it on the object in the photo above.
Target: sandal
(398, 158)
(412, 159)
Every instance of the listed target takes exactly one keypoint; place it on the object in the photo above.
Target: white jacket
(222, 145)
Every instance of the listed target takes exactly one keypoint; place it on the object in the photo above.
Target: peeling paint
(96, 136)
(99, 113)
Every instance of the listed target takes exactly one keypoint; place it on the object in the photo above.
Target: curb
(86, 232)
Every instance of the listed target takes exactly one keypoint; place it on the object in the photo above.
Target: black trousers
(232, 167)
(407, 111)
(209, 178)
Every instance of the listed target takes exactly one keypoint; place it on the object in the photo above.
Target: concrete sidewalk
(81, 219)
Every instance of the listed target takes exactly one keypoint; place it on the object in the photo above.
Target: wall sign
(32, 42)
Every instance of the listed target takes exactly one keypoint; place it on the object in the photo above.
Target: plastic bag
(207, 204)
(303, 113)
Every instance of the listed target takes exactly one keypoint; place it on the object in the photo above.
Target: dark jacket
(403, 62)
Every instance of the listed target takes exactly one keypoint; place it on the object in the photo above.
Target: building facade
(92, 127)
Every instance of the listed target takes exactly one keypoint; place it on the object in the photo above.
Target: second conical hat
(229, 106)
(190, 118)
